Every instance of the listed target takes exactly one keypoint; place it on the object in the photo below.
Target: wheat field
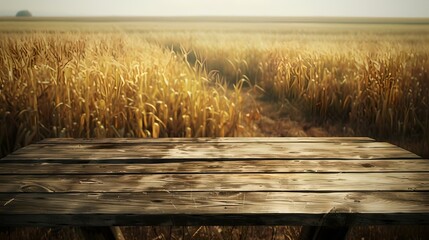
(209, 79)
(94, 80)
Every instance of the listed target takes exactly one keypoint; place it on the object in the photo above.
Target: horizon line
(252, 18)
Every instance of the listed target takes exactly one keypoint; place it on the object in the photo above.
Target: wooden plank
(205, 140)
(84, 152)
(215, 166)
(217, 182)
(310, 181)
(214, 208)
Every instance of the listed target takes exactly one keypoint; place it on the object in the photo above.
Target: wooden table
(219, 181)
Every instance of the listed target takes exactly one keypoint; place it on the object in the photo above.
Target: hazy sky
(360, 8)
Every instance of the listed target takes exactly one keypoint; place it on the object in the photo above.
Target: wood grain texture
(215, 166)
(217, 182)
(214, 208)
(203, 150)
(213, 181)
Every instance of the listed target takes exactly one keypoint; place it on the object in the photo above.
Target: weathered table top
(223, 181)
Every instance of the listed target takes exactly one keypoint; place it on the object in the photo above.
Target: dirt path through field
(287, 119)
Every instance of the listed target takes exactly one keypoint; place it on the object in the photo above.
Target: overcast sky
(353, 8)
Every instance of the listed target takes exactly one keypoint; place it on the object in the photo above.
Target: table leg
(106, 233)
(319, 233)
